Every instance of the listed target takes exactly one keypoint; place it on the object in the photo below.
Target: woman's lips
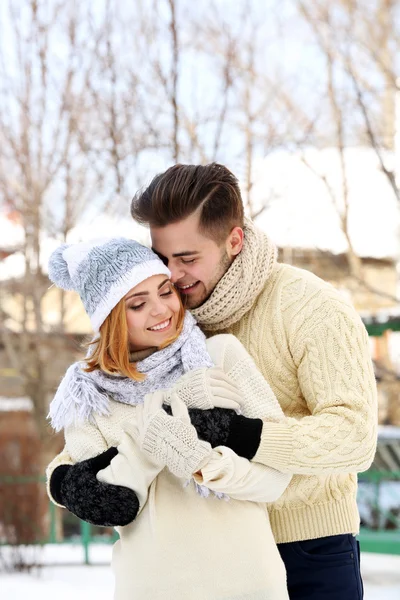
(161, 329)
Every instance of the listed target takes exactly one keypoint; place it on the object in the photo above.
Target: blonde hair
(111, 349)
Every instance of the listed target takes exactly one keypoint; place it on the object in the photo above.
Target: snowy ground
(65, 577)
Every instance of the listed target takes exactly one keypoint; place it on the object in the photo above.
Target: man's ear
(234, 243)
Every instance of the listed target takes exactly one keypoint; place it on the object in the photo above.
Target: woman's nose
(158, 308)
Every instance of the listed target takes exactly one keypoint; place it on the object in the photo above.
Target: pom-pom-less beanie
(103, 272)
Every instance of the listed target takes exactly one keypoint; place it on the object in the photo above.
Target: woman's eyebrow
(144, 293)
(163, 283)
(137, 294)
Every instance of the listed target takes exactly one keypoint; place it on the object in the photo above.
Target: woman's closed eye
(137, 307)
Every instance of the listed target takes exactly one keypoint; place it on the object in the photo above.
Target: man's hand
(77, 488)
(222, 427)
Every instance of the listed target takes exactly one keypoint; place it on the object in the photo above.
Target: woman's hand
(206, 388)
(170, 440)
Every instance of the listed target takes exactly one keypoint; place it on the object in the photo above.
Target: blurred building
(319, 211)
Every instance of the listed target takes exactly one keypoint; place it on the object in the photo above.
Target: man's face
(196, 262)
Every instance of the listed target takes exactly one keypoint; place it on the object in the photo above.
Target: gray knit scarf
(81, 395)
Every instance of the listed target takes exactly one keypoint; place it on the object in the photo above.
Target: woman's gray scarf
(81, 395)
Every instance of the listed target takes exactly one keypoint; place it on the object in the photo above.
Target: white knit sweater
(181, 545)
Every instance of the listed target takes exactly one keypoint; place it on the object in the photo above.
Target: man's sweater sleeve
(337, 381)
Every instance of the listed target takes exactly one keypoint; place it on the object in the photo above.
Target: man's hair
(111, 349)
(183, 189)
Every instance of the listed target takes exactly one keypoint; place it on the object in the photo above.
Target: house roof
(305, 195)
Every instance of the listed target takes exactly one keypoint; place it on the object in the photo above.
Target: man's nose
(177, 273)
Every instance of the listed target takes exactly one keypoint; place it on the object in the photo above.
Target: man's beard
(220, 270)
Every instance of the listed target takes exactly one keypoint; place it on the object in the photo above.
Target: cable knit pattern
(257, 388)
(103, 271)
(175, 443)
(312, 348)
(193, 390)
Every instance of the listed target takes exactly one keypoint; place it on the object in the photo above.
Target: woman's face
(152, 310)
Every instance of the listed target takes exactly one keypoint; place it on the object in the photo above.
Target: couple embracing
(224, 408)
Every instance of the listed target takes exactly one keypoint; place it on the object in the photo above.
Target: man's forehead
(176, 239)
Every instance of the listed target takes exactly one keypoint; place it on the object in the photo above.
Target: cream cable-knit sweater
(182, 546)
(312, 348)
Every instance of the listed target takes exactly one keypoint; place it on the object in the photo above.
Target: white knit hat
(103, 272)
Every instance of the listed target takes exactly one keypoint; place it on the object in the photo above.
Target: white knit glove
(170, 440)
(206, 388)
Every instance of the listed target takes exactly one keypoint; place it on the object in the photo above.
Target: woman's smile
(163, 326)
(152, 312)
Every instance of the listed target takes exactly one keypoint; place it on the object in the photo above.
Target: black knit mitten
(223, 427)
(76, 488)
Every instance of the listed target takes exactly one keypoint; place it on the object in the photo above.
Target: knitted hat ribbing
(103, 272)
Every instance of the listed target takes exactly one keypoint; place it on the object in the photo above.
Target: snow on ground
(65, 577)
(381, 575)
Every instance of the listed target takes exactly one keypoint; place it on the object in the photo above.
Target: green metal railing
(380, 531)
(379, 504)
(86, 536)
(376, 329)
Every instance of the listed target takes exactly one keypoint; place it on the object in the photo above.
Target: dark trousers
(324, 569)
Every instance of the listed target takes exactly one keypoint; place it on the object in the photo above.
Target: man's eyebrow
(185, 253)
(146, 293)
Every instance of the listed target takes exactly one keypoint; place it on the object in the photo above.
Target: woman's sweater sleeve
(258, 399)
(337, 382)
(81, 443)
(131, 468)
(82, 480)
(62, 459)
(225, 471)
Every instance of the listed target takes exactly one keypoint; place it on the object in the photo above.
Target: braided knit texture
(312, 348)
(175, 443)
(239, 287)
(103, 272)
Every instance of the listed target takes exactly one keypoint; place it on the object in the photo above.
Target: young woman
(197, 527)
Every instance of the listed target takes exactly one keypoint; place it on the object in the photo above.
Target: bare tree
(361, 46)
(358, 47)
(252, 113)
(43, 174)
(352, 102)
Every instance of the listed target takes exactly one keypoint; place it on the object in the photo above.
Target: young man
(311, 347)
(309, 344)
